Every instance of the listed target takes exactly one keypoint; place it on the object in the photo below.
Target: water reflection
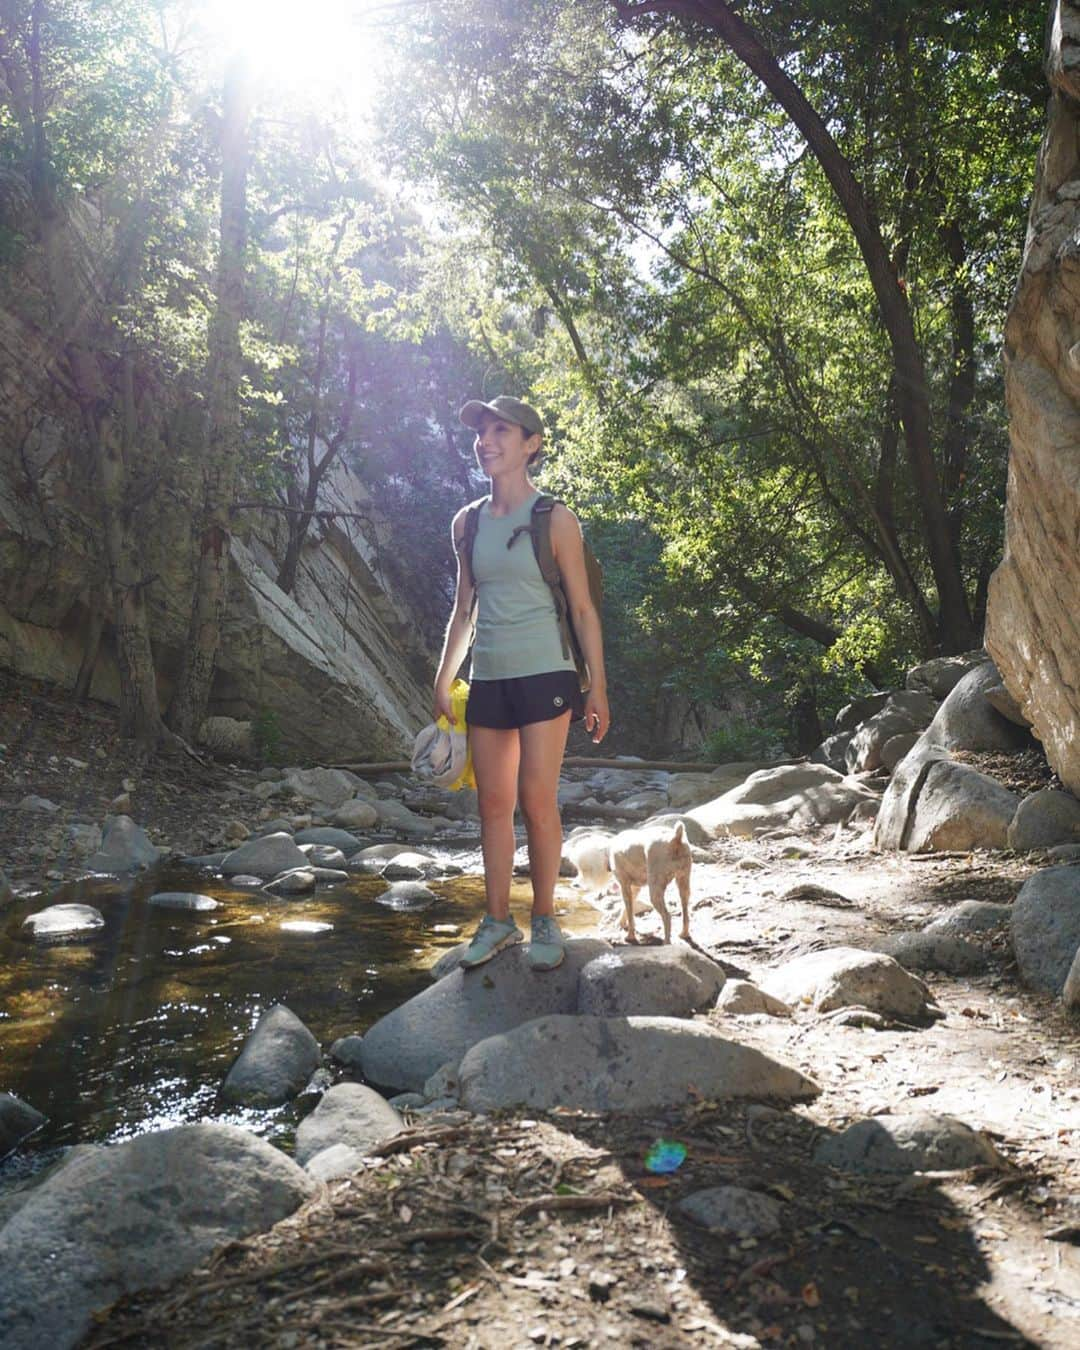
(134, 1027)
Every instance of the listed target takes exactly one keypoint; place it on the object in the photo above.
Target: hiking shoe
(491, 937)
(546, 950)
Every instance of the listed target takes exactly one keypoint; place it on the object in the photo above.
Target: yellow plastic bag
(459, 695)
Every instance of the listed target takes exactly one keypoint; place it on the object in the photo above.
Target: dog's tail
(680, 833)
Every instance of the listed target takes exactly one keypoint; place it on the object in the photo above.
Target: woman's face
(503, 447)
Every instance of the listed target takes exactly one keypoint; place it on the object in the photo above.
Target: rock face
(133, 1216)
(1033, 617)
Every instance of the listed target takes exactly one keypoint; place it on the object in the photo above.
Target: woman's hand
(597, 716)
(442, 705)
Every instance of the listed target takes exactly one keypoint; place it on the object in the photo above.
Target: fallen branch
(604, 1200)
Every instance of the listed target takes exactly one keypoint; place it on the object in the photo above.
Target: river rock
(267, 857)
(841, 977)
(347, 1050)
(396, 815)
(800, 796)
(62, 923)
(618, 1064)
(1045, 819)
(323, 855)
(339, 1160)
(300, 881)
(279, 825)
(18, 1120)
(357, 814)
(32, 802)
(666, 982)
(971, 916)
(382, 853)
(695, 832)
(1045, 927)
(134, 1216)
(933, 951)
(349, 1114)
(918, 1142)
(734, 1210)
(741, 998)
(84, 839)
(324, 788)
(404, 1048)
(275, 1063)
(407, 896)
(327, 836)
(125, 847)
(189, 900)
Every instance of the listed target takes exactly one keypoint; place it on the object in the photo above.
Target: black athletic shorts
(506, 704)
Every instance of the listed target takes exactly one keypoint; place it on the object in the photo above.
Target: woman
(524, 692)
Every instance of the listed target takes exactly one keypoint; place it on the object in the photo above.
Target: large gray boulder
(1045, 927)
(125, 847)
(799, 796)
(971, 916)
(903, 711)
(967, 720)
(960, 808)
(265, 857)
(619, 1064)
(1044, 820)
(348, 1114)
(940, 676)
(18, 1120)
(134, 1216)
(276, 1061)
(842, 977)
(669, 981)
(933, 951)
(404, 1048)
(918, 1142)
(325, 788)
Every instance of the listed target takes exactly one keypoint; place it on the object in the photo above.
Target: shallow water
(135, 1027)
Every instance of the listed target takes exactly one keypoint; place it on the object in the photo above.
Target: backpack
(539, 530)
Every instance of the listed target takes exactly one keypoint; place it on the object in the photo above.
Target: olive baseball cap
(510, 409)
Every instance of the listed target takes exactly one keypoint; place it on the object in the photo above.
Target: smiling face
(502, 447)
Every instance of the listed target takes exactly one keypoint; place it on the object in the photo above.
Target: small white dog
(652, 857)
(587, 849)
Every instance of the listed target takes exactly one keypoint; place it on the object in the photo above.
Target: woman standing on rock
(524, 690)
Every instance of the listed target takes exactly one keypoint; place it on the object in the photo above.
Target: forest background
(752, 261)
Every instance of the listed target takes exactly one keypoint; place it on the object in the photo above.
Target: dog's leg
(684, 895)
(656, 896)
(629, 891)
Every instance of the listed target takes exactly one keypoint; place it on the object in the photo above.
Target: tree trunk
(957, 632)
(222, 448)
(91, 647)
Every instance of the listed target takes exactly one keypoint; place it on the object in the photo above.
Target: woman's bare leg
(542, 747)
(495, 758)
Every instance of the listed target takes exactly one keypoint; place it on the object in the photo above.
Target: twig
(601, 1201)
(402, 1143)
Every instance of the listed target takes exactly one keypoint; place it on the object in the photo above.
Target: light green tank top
(517, 632)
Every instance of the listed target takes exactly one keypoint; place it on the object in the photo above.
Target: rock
(407, 1101)
(642, 804)
(1064, 853)
(236, 832)
(348, 1114)
(323, 855)
(1070, 994)
(802, 796)
(919, 1142)
(228, 738)
(442, 1083)
(275, 1063)
(740, 998)
(7, 894)
(902, 713)
(300, 881)
(618, 1064)
(940, 676)
(844, 976)
(382, 853)
(971, 916)
(935, 803)
(347, 1050)
(999, 697)
(346, 843)
(396, 816)
(859, 710)
(696, 833)
(833, 751)
(327, 788)
(84, 839)
(933, 951)
(662, 982)
(896, 747)
(404, 1048)
(690, 789)
(967, 721)
(63, 923)
(734, 1210)
(399, 871)
(1045, 819)
(189, 900)
(121, 804)
(34, 803)
(18, 1121)
(134, 1216)
(357, 814)
(339, 1160)
(407, 895)
(1045, 927)
(278, 825)
(125, 847)
(208, 861)
(267, 857)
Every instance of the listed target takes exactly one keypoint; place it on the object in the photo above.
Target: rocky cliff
(1033, 622)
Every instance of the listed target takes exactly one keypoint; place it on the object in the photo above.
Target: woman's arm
(566, 544)
(459, 629)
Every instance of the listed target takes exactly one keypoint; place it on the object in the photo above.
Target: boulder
(357, 814)
(339, 1160)
(896, 748)
(346, 1050)
(968, 721)
(300, 881)
(802, 796)
(323, 855)
(740, 998)
(971, 916)
(1070, 994)
(619, 1064)
(933, 951)
(1044, 820)
(64, 923)
(404, 1048)
(228, 738)
(348, 1114)
(918, 1142)
(125, 847)
(275, 1063)
(323, 788)
(936, 803)
(267, 857)
(33, 802)
(696, 834)
(859, 710)
(999, 697)
(665, 981)
(408, 896)
(940, 676)
(1045, 927)
(18, 1121)
(833, 751)
(903, 712)
(396, 815)
(84, 840)
(842, 977)
(734, 1210)
(186, 900)
(690, 789)
(343, 840)
(134, 1216)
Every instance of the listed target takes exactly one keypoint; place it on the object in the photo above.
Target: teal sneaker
(491, 937)
(546, 950)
